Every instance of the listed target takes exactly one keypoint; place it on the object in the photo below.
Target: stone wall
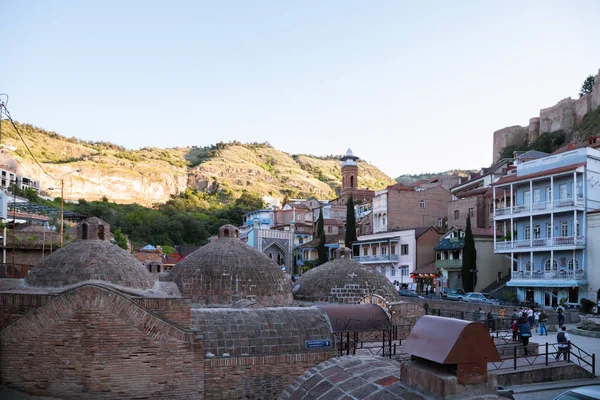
(257, 377)
(94, 343)
(562, 116)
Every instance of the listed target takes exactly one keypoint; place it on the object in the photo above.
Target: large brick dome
(86, 260)
(228, 270)
(343, 281)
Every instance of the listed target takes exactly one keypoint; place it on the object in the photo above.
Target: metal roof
(357, 318)
(34, 208)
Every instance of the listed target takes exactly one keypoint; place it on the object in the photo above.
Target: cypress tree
(350, 224)
(321, 249)
(469, 262)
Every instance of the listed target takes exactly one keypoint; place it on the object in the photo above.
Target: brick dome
(228, 270)
(343, 281)
(86, 260)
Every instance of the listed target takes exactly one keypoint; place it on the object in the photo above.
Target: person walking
(543, 327)
(530, 316)
(501, 312)
(491, 322)
(560, 310)
(525, 333)
(564, 343)
(536, 321)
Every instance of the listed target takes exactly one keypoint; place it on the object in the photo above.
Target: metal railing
(538, 274)
(379, 257)
(541, 206)
(541, 242)
(551, 354)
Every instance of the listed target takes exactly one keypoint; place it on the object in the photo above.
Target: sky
(410, 87)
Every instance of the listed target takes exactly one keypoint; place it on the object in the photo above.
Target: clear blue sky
(409, 86)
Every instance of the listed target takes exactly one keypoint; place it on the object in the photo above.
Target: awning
(547, 282)
(427, 269)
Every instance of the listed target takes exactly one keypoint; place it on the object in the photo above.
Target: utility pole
(62, 203)
(12, 271)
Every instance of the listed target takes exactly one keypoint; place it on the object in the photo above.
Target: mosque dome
(227, 270)
(86, 260)
(343, 280)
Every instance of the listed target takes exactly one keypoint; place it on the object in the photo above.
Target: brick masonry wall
(257, 377)
(478, 219)
(175, 310)
(425, 245)
(15, 306)
(95, 343)
(404, 211)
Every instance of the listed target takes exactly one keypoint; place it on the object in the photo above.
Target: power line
(3, 107)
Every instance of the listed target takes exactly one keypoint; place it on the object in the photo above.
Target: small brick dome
(228, 270)
(86, 260)
(343, 281)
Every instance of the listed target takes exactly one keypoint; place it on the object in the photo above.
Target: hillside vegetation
(155, 175)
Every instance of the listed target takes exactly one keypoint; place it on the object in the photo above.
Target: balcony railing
(564, 241)
(541, 206)
(448, 263)
(379, 257)
(561, 274)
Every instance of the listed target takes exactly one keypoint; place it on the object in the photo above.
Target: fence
(547, 354)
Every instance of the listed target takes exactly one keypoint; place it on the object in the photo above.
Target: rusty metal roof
(357, 317)
(451, 341)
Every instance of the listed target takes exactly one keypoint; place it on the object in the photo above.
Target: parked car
(409, 293)
(506, 393)
(453, 294)
(478, 297)
(581, 393)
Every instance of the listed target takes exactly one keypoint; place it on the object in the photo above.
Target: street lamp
(473, 271)
(62, 202)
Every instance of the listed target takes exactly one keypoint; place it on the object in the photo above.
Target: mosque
(90, 321)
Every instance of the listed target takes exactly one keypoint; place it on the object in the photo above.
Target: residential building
(490, 267)
(9, 178)
(543, 208)
(306, 254)
(398, 254)
(401, 207)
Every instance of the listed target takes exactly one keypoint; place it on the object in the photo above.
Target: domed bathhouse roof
(228, 270)
(88, 260)
(343, 281)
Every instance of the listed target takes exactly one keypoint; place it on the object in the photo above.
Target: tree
(587, 86)
(321, 249)
(120, 239)
(469, 263)
(350, 224)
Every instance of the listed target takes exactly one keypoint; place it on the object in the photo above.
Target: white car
(581, 393)
(476, 297)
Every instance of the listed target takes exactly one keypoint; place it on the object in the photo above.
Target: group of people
(524, 320)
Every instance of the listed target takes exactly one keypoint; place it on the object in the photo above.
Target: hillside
(412, 178)
(152, 175)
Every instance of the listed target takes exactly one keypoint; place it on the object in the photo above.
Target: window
(526, 232)
(564, 228)
(393, 247)
(300, 240)
(329, 229)
(404, 270)
(548, 230)
(576, 228)
(299, 217)
(528, 266)
(403, 249)
(456, 214)
(548, 193)
(536, 231)
(536, 196)
(526, 197)
(548, 263)
(439, 222)
(422, 204)
(383, 271)
(573, 265)
(393, 271)
(471, 212)
(563, 191)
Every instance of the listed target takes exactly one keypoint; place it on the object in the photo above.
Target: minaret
(349, 174)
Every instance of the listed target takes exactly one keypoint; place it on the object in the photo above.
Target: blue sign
(317, 344)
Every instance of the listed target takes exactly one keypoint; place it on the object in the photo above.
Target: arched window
(300, 240)
(271, 256)
(226, 233)
(278, 258)
(351, 181)
(84, 231)
(550, 265)
(528, 266)
(573, 265)
(101, 232)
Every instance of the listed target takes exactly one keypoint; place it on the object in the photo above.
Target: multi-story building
(490, 267)
(398, 254)
(402, 207)
(543, 208)
(9, 178)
